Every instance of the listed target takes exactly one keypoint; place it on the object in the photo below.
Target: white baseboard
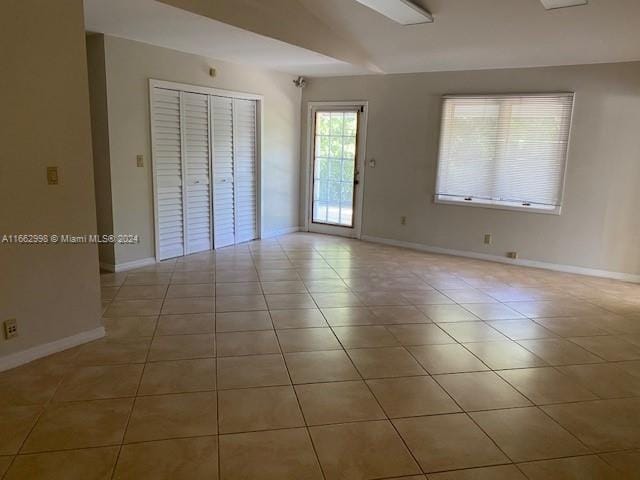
(121, 267)
(107, 267)
(278, 232)
(29, 355)
(626, 277)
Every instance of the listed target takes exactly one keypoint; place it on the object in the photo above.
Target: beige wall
(53, 291)
(100, 137)
(129, 66)
(599, 227)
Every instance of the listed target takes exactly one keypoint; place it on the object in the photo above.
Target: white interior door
(197, 165)
(167, 158)
(336, 169)
(223, 172)
(245, 169)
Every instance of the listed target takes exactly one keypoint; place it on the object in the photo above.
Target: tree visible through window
(334, 165)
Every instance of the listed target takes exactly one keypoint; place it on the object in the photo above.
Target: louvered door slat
(223, 185)
(245, 169)
(165, 117)
(196, 152)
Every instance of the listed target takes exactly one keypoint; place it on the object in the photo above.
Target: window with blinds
(504, 151)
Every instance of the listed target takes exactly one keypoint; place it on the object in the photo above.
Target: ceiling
(343, 37)
(158, 24)
(479, 34)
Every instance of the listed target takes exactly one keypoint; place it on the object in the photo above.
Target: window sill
(496, 204)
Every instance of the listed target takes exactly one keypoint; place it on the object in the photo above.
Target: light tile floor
(310, 357)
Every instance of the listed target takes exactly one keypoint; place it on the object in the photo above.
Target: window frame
(503, 204)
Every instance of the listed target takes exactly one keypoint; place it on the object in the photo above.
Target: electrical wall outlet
(487, 239)
(10, 328)
(513, 255)
(140, 160)
(403, 220)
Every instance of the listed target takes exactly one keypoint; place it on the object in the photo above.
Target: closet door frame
(183, 87)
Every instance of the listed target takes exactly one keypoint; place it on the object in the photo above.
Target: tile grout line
(215, 372)
(388, 420)
(299, 265)
(115, 463)
(144, 366)
(44, 406)
(304, 418)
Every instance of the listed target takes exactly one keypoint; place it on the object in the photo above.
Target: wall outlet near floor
(513, 255)
(140, 160)
(10, 328)
(487, 239)
(403, 220)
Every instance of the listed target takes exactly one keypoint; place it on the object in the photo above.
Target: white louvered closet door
(196, 151)
(205, 171)
(223, 172)
(245, 173)
(167, 158)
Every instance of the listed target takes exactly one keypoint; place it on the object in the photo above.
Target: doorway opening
(336, 167)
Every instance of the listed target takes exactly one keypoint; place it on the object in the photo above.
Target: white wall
(52, 290)
(129, 66)
(599, 227)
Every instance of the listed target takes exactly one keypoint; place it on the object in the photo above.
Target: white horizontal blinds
(505, 149)
(168, 171)
(223, 174)
(245, 169)
(196, 148)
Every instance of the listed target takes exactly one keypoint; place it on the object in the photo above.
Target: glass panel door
(334, 168)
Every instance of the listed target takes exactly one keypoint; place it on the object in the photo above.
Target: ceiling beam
(284, 20)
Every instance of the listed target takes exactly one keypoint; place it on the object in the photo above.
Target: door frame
(361, 146)
(185, 87)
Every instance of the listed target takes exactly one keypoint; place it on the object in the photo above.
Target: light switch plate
(140, 160)
(52, 175)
